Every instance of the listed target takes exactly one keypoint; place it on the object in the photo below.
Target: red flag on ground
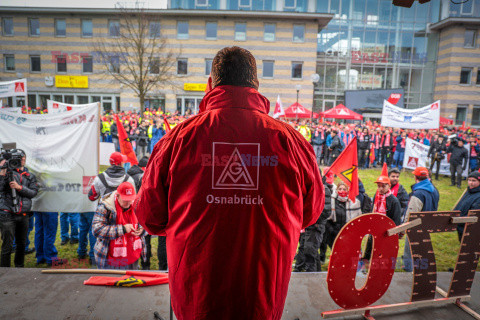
(346, 168)
(385, 170)
(131, 279)
(125, 145)
(372, 154)
(167, 125)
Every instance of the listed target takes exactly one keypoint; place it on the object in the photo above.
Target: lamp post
(297, 87)
(315, 78)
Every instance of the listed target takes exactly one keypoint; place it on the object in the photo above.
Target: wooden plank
(464, 220)
(403, 227)
(459, 304)
(391, 307)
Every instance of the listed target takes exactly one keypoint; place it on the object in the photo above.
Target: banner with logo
(416, 156)
(13, 88)
(58, 107)
(62, 152)
(427, 117)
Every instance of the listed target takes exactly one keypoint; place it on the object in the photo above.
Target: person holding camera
(458, 160)
(17, 189)
(436, 153)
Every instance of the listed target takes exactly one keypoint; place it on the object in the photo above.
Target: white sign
(106, 149)
(62, 152)
(416, 156)
(427, 117)
(58, 107)
(13, 88)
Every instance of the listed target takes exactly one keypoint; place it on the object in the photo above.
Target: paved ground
(28, 294)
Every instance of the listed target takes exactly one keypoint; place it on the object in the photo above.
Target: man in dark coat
(335, 148)
(458, 161)
(470, 200)
(397, 189)
(436, 153)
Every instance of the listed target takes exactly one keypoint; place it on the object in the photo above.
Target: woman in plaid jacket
(120, 239)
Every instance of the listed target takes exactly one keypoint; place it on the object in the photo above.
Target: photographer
(437, 153)
(17, 188)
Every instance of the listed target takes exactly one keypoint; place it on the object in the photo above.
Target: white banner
(416, 156)
(106, 150)
(62, 152)
(427, 117)
(13, 88)
(59, 107)
(16, 110)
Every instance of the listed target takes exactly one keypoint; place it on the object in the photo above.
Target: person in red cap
(424, 197)
(231, 188)
(120, 239)
(108, 181)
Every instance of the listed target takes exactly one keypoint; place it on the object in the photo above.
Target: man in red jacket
(231, 188)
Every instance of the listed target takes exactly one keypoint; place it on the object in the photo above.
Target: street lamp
(315, 78)
(297, 87)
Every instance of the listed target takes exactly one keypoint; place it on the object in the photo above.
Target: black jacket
(336, 147)
(327, 210)
(403, 197)
(142, 137)
(28, 181)
(394, 210)
(114, 130)
(437, 147)
(363, 143)
(469, 201)
(136, 173)
(458, 155)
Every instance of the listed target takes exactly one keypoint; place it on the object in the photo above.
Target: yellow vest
(305, 132)
(150, 131)
(105, 127)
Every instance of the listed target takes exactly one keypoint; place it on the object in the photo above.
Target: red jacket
(232, 223)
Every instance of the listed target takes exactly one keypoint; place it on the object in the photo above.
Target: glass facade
(371, 44)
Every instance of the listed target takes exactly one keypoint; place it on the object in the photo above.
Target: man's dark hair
(393, 170)
(420, 178)
(234, 66)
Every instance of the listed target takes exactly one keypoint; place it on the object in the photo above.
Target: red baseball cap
(117, 158)
(126, 191)
(420, 172)
(383, 179)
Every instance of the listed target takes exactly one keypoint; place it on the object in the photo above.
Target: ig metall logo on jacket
(236, 165)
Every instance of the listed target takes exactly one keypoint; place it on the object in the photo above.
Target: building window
(87, 28)
(154, 66)
(211, 30)
(465, 75)
(208, 66)
(114, 64)
(154, 28)
(201, 3)
(7, 26)
(182, 30)
(298, 33)
(290, 4)
(478, 76)
(87, 62)
(267, 69)
(61, 63)
(60, 28)
(244, 4)
(461, 114)
(470, 37)
(35, 65)
(33, 27)
(476, 116)
(240, 31)
(269, 32)
(114, 28)
(297, 70)
(182, 66)
(9, 62)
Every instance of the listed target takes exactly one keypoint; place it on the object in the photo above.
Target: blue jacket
(157, 134)
(469, 201)
(329, 141)
(399, 144)
(427, 193)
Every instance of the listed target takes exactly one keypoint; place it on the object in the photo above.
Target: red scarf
(381, 202)
(394, 189)
(125, 249)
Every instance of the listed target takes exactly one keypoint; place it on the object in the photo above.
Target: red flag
(385, 170)
(278, 109)
(167, 125)
(131, 279)
(372, 154)
(346, 168)
(125, 145)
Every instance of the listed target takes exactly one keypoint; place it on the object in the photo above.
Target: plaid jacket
(105, 228)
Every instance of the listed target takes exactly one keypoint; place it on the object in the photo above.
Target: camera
(13, 158)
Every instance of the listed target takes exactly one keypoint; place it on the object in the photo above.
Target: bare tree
(135, 53)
